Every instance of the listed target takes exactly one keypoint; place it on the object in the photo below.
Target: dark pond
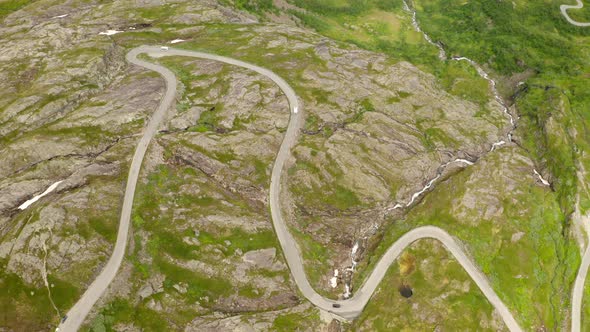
(405, 291)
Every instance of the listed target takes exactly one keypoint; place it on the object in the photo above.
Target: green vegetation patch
(302, 321)
(122, 311)
(440, 289)
(28, 308)
(539, 266)
(9, 6)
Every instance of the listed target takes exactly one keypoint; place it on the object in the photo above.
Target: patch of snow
(109, 32)
(61, 16)
(497, 144)
(464, 161)
(334, 282)
(543, 181)
(177, 41)
(36, 198)
(336, 272)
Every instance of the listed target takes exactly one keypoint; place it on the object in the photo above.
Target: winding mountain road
(578, 5)
(578, 290)
(347, 309)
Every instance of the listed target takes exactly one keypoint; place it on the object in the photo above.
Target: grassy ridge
(443, 293)
(538, 267)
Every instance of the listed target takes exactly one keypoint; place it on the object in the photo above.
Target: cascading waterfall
(482, 73)
(442, 54)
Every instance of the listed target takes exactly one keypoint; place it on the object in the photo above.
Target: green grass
(383, 26)
(342, 198)
(199, 285)
(314, 257)
(302, 321)
(107, 228)
(254, 6)
(551, 144)
(434, 281)
(581, 15)
(122, 311)
(250, 292)
(167, 232)
(9, 6)
(586, 308)
(543, 255)
(157, 13)
(25, 307)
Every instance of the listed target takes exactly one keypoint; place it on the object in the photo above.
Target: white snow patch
(36, 198)
(177, 41)
(497, 144)
(336, 272)
(545, 182)
(334, 282)
(61, 16)
(109, 32)
(464, 161)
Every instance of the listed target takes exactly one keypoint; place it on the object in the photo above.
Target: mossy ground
(444, 296)
(540, 265)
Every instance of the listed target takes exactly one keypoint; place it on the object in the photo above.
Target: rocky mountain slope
(383, 113)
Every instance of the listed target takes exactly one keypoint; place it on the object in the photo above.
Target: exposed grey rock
(262, 258)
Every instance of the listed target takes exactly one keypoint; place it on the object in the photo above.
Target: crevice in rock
(88, 155)
(198, 161)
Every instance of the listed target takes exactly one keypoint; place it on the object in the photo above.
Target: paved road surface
(565, 8)
(79, 311)
(349, 308)
(578, 291)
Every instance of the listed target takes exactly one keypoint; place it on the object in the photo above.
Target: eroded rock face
(264, 321)
(263, 259)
